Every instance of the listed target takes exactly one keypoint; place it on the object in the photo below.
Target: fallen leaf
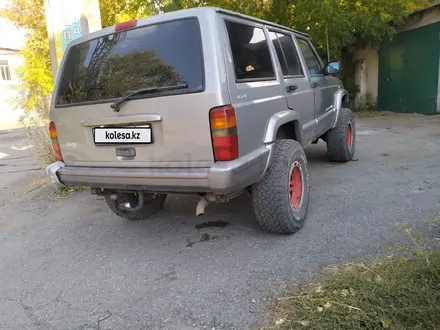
(279, 322)
(385, 324)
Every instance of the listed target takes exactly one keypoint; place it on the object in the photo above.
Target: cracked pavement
(69, 263)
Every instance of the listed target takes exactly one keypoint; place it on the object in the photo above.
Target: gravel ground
(68, 263)
(18, 173)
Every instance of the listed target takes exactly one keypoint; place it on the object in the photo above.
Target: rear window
(109, 67)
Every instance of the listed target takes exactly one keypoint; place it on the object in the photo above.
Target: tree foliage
(345, 24)
(36, 74)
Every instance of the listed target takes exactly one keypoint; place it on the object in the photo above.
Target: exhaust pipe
(201, 205)
(213, 198)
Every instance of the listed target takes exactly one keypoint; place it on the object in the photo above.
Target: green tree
(36, 73)
(347, 23)
(115, 11)
(350, 24)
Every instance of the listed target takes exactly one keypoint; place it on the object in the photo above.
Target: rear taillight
(224, 133)
(55, 144)
(126, 25)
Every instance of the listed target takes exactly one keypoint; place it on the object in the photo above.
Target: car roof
(179, 14)
(233, 13)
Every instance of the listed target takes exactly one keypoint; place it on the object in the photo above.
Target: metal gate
(409, 71)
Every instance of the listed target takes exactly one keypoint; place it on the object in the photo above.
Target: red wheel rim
(296, 186)
(349, 136)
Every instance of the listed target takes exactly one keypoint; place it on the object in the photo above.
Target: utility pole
(328, 45)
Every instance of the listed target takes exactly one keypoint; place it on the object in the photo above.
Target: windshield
(112, 66)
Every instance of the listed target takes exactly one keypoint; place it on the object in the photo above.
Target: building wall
(421, 19)
(11, 91)
(367, 73)
(10, 38)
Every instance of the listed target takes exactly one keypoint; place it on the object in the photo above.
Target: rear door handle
(291, 88)
(315, 84)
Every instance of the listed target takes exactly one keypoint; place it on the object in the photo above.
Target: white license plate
(113, 135)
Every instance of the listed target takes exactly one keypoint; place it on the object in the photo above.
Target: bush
(36, 125)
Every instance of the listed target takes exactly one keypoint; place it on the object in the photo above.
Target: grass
(389, 114)
(369, 114)
(401, 293)
(396, 292)
(36, 126)
(66, 191)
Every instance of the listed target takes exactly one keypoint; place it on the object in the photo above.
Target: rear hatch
(165, 123)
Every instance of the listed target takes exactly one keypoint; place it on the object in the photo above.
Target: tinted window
(111, 66)
(282, 59)
(313, 64)
(287, 54)
(250, 52)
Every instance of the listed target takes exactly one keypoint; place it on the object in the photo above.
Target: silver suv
(203, 101)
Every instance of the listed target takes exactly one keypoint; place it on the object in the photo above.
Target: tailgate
(180, 133)
(166, 128)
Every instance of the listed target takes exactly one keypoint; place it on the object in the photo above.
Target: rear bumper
(222, 177)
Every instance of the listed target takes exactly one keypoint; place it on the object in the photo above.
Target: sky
(10, 36)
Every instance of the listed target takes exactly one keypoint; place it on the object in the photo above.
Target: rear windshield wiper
(116, 105)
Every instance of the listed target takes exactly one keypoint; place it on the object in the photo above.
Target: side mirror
(333, 67)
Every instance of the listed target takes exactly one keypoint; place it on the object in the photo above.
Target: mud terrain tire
(281, 198)
(341, 140)
(151, 206)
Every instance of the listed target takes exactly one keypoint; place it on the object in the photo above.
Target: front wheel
(281, 198)
(341, 140)
(120, 206)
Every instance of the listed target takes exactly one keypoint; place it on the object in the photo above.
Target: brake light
(56, 149)
(126, 25)
(224, 133)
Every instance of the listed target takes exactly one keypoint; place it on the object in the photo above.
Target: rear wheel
(281, 198)
(120, 206)
(341, 140)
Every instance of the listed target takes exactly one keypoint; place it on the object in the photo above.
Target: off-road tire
(339, 147)
(151, 206)
(271, 196)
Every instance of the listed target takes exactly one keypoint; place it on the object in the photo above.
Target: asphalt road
(18, 170)
(68, 263)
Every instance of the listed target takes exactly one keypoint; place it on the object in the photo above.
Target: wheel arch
(338, 99)
(284, 124)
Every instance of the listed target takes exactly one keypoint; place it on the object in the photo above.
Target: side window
(250, 52)
(287, 54)
(313, 64)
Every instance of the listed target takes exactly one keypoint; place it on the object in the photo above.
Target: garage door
(409, 71)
